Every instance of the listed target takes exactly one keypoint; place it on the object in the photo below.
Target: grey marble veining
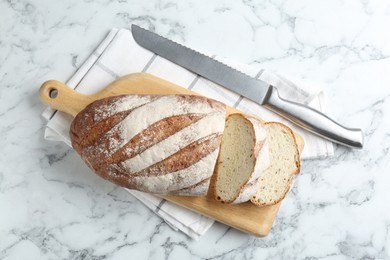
(52, 207)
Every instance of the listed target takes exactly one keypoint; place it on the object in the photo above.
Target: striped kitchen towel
(119, 55)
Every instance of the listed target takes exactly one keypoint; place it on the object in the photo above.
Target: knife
(253, 89)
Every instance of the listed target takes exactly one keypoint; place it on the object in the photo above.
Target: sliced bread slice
(276, 181)
(243, 157)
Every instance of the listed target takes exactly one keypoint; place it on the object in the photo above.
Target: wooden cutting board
(245, 217)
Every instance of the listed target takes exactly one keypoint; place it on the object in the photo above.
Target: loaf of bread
(276, 181)
(161, 144)
(242, 159)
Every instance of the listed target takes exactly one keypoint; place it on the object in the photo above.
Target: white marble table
(52, 207)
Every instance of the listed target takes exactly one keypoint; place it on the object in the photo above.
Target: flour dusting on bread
(126, 138)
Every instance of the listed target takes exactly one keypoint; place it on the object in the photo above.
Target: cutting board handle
(63, 98)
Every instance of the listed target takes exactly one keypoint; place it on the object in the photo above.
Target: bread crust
(198, 189)
(179, 121)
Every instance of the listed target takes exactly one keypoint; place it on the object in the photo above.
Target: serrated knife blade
(253, 89)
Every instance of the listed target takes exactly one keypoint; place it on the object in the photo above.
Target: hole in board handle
(53, 93)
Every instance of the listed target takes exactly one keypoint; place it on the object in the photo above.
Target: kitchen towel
(119, 55)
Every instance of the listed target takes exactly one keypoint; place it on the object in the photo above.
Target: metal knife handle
(313, 121)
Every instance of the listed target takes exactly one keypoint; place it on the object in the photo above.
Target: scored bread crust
(290, 181)
(161, 144)
(261, 162)
(195, 190)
